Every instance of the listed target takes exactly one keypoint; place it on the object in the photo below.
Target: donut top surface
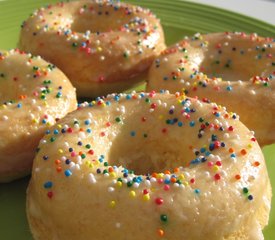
(32, 90)
(33, 95)
(224, 56)
(170, 164)
(236, 70)
(101, 41)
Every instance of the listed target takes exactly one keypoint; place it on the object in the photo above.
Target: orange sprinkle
(231, 150)
(173, 180)
(176, 170)
(167, 172)
(23, 97)
(243, 152)
(256, 164)
(59, 169)
(160, 232)
(237, 177)
(57, 161)
(154, 175)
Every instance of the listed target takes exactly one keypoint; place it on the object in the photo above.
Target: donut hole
(147, 148)
(233, 60)
(99, 19)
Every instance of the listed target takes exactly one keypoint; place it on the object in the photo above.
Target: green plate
(179, 18)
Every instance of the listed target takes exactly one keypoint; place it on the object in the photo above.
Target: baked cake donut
(149, 166)
(33, 95)
(102, 46)
(233, 69)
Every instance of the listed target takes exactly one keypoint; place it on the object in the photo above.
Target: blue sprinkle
(180, 124)
(233, 155)
(47, 132)
(128, 96)
(192, 124)
(87, 122)
(89, 130)
(211, 146)
(207, 153)
(55, 131)
(68, 161)
(44, 121)
(197, 191)
(68, 173)
(48, 184)
(167, 181)
(187, 110)
(133, 133)
(229, 88)
(116, 98)
(195, 161)
(217, 114)
(19, 105)
(108, 103)
(202, 150)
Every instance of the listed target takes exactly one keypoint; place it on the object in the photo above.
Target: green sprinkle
(105, 164)
(163, 218)
(118, 119)
(245, 190)
(129, 184)
(88, 146)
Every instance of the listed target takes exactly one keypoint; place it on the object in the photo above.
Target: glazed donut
(102, 46)
(33, 94)
(232, 69)
(149, 166)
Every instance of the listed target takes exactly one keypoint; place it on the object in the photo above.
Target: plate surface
(179, 18)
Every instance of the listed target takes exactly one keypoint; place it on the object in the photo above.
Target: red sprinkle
(217, 176)
(159, 201)
(50, 194)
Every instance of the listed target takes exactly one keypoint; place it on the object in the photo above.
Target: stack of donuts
(180, 160)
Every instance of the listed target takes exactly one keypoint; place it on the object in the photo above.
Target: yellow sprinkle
(160, 175)
(249, 145)
(112, 204)
(132, 194)
(60, 150)
(146, 197)
(113, 175)
(99, 49)
(119, 184)
(160, 117)
(181, 177)
(216, 168)
(59, 126)
(35, 121)
(185, 183)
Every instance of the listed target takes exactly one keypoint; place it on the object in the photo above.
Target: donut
(233, 69)
(102, 46)
(149, 166)
(34, 94)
